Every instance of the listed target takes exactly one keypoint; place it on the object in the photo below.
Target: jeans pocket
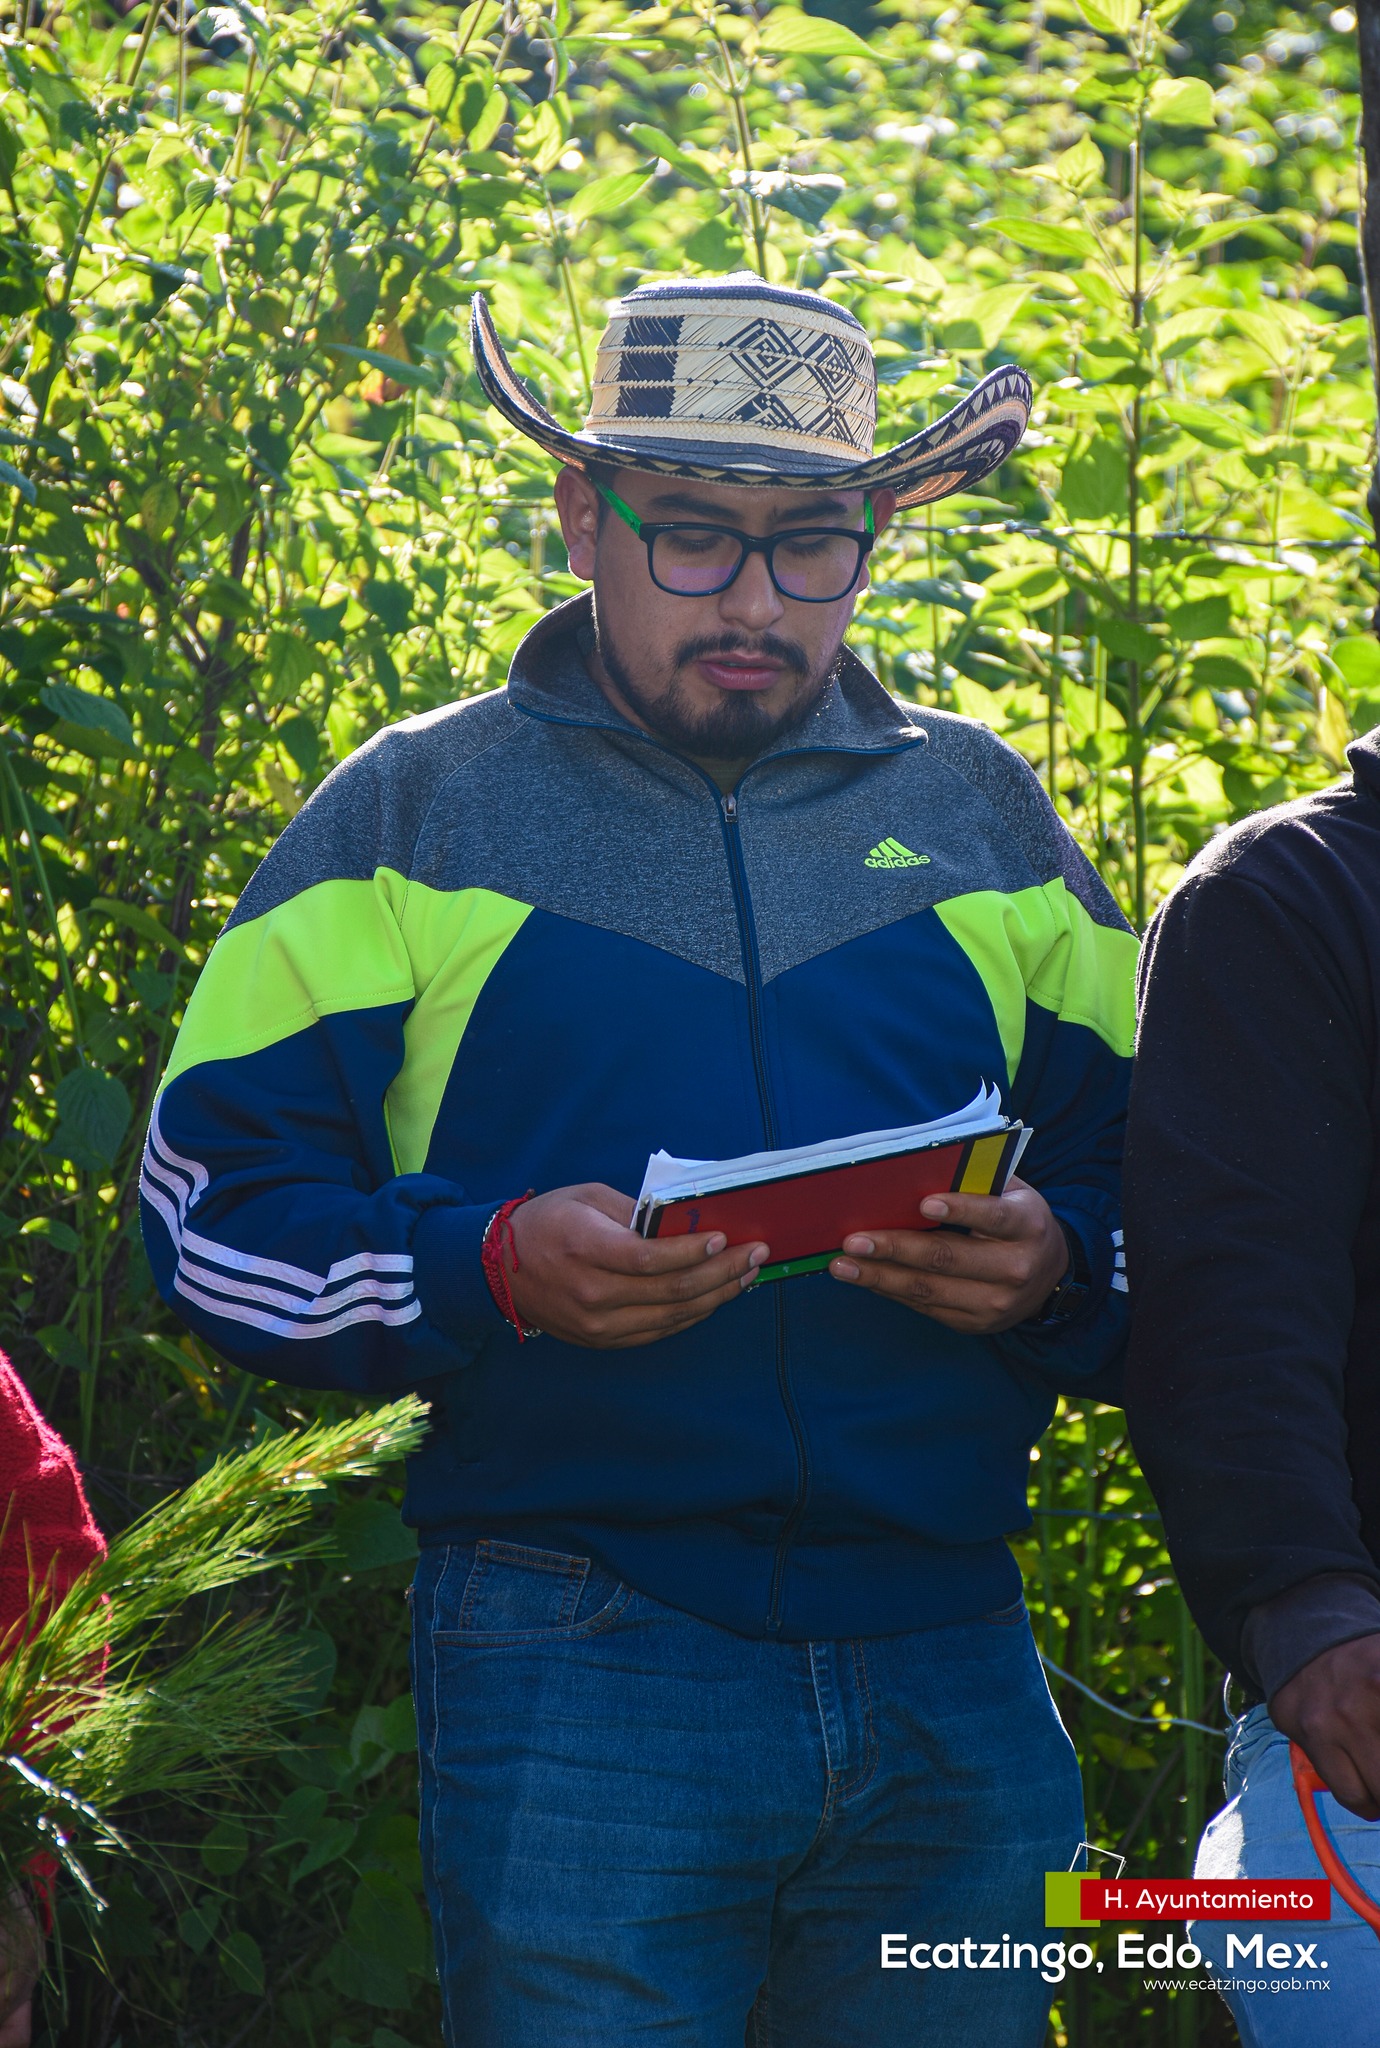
(495, 1591)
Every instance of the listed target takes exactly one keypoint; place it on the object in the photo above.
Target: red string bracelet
(498, 1248)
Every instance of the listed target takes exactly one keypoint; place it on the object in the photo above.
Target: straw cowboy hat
(736, 381)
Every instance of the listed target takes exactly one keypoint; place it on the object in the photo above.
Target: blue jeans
(639, 1827)
(1261, 1833)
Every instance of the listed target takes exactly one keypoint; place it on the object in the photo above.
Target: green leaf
(1049, 238)
(224, 1849)
(441, 88)
(659, 144)
(368, 1978)
(83, 708)
(371, 1533)
(807, 198)
(1111, 17)
(58, 1233)
(399, 1724)
(1095, 480)
(411, 374)
(385, 1920)
(1359, 661)
(1037, 583)
(1212, 425)
(1222, 672)
(1207, 618)
(979, 323)
(1126, 640)
(1181, 102)
(23, 484)
(197, 1926)
(93, 1115)
(333, 1839)
(302, 741)
(242, 1960)
(492, 115)
(64, 1346)
(1081, 167)
(604, 199)
(787, 32)
(390, 603)
(135, 919)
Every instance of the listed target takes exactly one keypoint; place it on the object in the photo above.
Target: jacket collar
(548, 679)
(1364, 758)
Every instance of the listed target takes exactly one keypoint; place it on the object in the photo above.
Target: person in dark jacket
(1253, 1235)
(727, 1697)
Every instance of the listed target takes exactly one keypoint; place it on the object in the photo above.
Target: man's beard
(740, 727)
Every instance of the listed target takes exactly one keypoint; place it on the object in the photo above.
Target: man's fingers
(945, 1254)
(1344, 1781)
(977, 1301)
(721, 1272)
(1005, 1216)
(619, 1329)
(695, 1262)
(607, 1201)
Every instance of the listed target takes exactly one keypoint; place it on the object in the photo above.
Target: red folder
(805, 1217)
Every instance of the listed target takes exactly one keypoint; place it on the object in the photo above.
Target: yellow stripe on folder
(984, 1165)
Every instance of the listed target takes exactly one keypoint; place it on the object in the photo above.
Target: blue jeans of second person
(1260, 1833)
(639, 1827)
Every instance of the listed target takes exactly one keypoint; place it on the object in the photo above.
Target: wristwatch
(1070, 1297)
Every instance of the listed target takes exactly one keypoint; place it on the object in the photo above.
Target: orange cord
(1308, 1785)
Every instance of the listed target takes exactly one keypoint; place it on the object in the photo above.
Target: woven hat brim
(954, 454)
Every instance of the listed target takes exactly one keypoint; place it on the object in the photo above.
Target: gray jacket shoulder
(369, 812)
(1008, 783)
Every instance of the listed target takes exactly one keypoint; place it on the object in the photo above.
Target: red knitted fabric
(47, 1536)
(49, 1532)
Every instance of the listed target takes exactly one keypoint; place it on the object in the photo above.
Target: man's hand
(1332, 1710)
(584, 1276)
(1002, 1272)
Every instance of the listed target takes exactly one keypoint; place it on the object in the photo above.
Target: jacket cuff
(1091, 1249)
(448, 1272)
(1289, 1631)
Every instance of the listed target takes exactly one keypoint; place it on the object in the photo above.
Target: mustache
(765, 646)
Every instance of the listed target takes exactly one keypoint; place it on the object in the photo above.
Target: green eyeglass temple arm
(629, 517)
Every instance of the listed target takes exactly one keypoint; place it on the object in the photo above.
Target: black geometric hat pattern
(733, 380)
(800, 383)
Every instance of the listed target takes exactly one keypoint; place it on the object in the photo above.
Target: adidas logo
(891, 854)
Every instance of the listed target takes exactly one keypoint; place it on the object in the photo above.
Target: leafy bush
(255, 508)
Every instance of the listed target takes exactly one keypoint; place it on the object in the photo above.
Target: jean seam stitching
(577, 1632)
(867, 1766)
(433, 1804)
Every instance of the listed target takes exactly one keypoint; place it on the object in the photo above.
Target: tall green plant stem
(734, 88)
(1135, 748)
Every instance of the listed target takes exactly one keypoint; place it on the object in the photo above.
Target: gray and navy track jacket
(517, 943)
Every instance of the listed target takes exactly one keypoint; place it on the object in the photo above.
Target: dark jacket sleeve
(1248, 1162)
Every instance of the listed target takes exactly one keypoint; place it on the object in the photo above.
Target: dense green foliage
(255, 508)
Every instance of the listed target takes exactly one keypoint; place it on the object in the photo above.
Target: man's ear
(883, 510)
(577, 507)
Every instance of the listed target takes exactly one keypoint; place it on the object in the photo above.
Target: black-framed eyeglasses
(690, 558)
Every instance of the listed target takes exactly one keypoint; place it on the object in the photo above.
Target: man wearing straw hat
(731, 1718)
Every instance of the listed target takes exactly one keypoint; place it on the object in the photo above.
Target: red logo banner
(1205, 1898)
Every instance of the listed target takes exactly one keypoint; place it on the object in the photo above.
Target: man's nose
(752, 599)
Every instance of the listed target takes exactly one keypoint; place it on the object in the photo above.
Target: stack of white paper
(672, 1180)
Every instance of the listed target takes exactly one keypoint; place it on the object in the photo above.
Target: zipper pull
(731, 807)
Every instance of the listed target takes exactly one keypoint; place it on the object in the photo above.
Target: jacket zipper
(753, 975)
